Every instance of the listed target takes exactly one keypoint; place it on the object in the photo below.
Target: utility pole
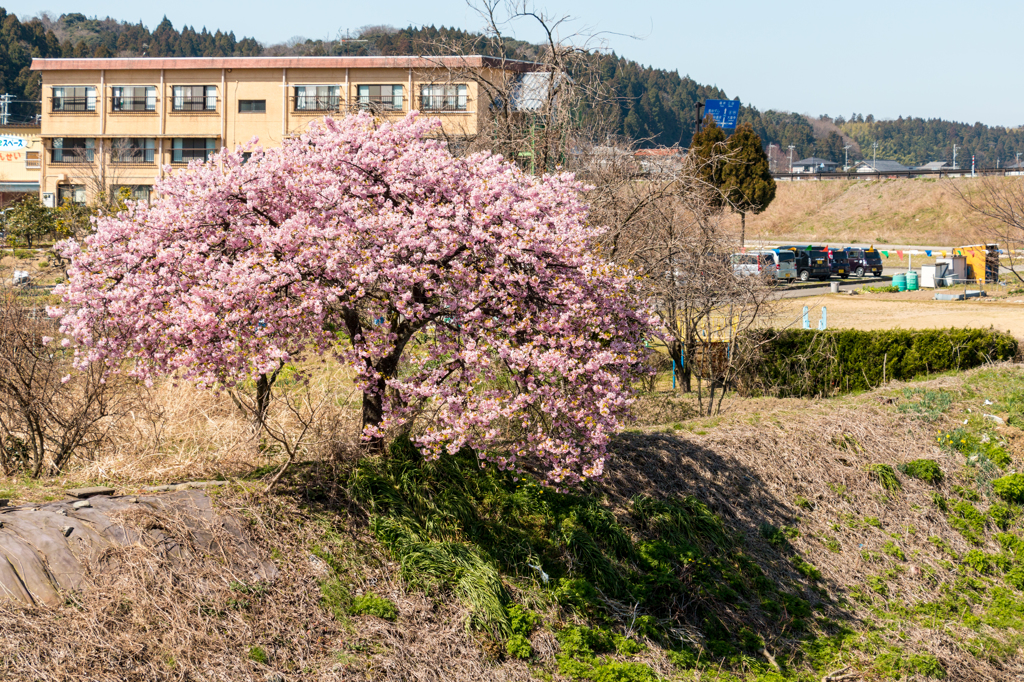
(874, 159)
(846, 164)
(700, 105)
(791, 148)
(954, 157)
(5, 113)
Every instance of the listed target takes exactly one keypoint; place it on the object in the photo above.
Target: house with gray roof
(814, 164)
(879, 166)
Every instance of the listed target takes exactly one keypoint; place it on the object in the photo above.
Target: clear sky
(930, 58)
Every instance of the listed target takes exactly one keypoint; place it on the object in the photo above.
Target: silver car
(781, 265)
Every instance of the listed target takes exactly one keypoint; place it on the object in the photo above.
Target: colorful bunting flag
(928, 253)
(885, 253)
(943, 253)
(899, 253)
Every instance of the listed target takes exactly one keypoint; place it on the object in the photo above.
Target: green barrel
(911, 281)
(900, 282)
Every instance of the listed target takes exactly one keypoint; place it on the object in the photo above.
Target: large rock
(45, 549)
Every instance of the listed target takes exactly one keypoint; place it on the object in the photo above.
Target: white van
(781, 264)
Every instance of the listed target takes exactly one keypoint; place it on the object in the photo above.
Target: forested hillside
(653, 106)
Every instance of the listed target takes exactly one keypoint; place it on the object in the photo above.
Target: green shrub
(1002, 515)
(372, 605)
(887, 289)
(519, 646)
(978, 560)
(966, 493)
(1010, 488)
(805, 569)
(798, 362)
(926, 470)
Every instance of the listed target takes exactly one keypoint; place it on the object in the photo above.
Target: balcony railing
(132, 156)
(305, 103)
(381, 103)
(187, 155)
(133, 105)
(443, 104)
(195, 104)
(62, 105)
(72, 156)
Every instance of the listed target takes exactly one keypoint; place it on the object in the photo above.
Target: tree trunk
(262, 398)
(743, 231)
(373, 415)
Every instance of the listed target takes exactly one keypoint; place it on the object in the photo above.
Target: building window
(185, 149)
(383, 97)
(33, 160)
(133, 192)
(77, 98)
(317, 98)
(443, 97)
(246, 156)
(195, 98)
(72, 150)
(71, 194)
(254, 105)
(132, 150)
(133, 98)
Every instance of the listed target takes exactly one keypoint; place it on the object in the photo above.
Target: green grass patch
(1010, 488)
(925, 403)
(926, 470)
(372, 605)
(885, 476)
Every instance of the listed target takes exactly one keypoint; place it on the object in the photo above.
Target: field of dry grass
(923, 211)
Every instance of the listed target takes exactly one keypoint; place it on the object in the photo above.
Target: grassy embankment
(784, 540)
(924, 211)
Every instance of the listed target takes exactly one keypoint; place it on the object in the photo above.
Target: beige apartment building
(113, 123)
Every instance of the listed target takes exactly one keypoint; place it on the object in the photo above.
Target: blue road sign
(725, 112)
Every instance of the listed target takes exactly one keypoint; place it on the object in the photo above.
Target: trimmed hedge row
(801, 362)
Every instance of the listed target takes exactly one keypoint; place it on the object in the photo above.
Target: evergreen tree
(707, 151)
(747, 182)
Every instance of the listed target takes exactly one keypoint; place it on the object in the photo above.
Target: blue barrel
(900, 282)
(911, 281)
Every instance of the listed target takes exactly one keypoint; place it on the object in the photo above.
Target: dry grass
(905, 211)
(185, 433)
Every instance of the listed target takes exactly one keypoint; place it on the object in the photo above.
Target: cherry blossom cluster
(461, 289)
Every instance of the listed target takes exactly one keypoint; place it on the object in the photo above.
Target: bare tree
(529, 97)
(1002, 201)
(49, 411)
(668, 226)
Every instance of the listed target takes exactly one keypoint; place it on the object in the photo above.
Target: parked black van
(864, 261)
(811, 263)
(839, 263)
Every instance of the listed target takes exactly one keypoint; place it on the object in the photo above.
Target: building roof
(934, 165)
(403, 62)
(883, 165)
(661, 151)
(814, 161)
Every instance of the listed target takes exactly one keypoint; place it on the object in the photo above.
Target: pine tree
(746, 180)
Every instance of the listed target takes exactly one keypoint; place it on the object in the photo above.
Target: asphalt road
(819, 288)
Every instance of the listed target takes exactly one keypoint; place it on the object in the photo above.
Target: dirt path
(915, 310)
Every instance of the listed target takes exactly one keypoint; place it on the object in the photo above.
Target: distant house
(879, 166)
(935, 166)
(660, 160)
(814, 165)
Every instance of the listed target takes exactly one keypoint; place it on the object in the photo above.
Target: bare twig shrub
(49, 411)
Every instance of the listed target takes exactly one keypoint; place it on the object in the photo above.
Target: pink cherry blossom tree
(464, 292)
